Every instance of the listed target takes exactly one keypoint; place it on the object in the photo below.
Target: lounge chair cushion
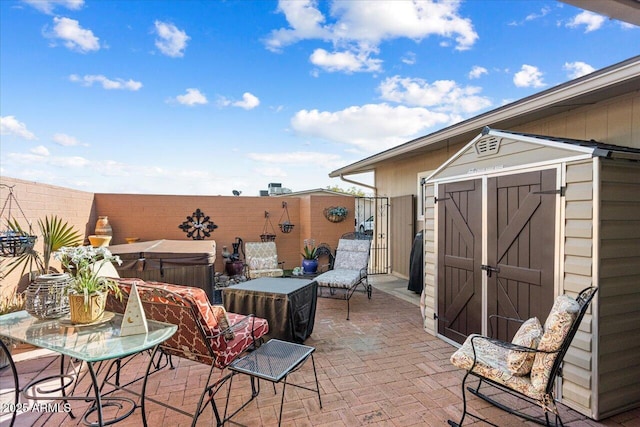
(529, 334)
(339, 278)
(561, 317)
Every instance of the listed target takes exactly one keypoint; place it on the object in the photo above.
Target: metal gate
(372, 221)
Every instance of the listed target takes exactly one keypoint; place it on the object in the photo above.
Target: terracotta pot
(103, 228)
(81, 313)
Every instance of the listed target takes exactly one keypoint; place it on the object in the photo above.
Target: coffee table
(91, 344)
(289, 305)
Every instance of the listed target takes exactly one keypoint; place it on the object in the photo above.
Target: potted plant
(309, 257)
(44, 297)
(88, 290)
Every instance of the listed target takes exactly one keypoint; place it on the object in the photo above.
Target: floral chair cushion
(492, 364)
(202, 333)
(529, 334)
(262, 260)
(564, 311)
(266, 263)
(352, 254)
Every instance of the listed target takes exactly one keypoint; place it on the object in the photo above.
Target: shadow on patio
(379, 368)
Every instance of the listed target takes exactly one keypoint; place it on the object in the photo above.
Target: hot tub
(180, 262)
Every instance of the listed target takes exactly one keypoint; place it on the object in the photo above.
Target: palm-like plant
(55, 234)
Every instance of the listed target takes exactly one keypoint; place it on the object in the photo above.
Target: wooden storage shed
(513, 220)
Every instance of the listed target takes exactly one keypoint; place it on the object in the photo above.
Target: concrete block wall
(39, 201)
(152, 217)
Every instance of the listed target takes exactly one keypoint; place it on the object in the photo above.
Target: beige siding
(430, 260)
(578, 269)
(616, 121)
(619, 294)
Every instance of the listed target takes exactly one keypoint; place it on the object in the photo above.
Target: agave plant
(55, 234)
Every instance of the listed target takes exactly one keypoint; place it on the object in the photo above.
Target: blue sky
(203, 97)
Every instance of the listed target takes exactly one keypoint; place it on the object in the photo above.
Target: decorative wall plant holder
(335, 213)
(14, 241)
(285, 226)
(268, 232)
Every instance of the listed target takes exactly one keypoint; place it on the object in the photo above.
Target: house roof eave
(605, 83)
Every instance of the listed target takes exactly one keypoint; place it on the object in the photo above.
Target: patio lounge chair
(528, 366)
(262, 260)
(206, 334)
(349, 270)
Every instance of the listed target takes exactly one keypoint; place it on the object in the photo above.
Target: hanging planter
(285, 226)
(14, 242)
(268, 232)
(336, 213)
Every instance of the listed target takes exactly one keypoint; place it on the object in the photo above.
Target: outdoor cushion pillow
(563, 313)
(223, 321)
(265, 263)
(529, 334)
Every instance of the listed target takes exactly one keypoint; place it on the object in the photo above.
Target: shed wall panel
(428, 297)
(619, 295)
(578, 269)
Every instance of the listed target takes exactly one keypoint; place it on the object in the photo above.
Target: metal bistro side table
(274, 361)
(91, 344)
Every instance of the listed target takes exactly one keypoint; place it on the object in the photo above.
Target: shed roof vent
(488, 146)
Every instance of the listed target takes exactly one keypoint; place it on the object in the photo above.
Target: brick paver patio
(379, 368)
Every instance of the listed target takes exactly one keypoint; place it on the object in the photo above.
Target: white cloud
(47, 6)
(9, 125)
(369, 128)
(591, 21)
(444, 96)
(40, 150)
(357, 31)
(533, 16)
(74, 37)
(325, 160)
(578, 69)
(66, 140)
(528, 76)
(192, 97)
(409, 58)
(171, 41)
(249, 101)
(109, 84)
(347, 61)
(477, 71)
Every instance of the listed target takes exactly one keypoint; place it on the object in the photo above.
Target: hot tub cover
(164, 253)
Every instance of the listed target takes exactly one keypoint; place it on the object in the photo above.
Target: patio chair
(262, 260)
(349, 271)
(206, 334)
(527, 366)
(324, 250)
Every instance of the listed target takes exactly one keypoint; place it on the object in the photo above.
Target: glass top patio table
(91, 343)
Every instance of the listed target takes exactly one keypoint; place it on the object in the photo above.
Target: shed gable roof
(495, 150)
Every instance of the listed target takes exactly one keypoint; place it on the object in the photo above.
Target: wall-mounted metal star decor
(198, 226)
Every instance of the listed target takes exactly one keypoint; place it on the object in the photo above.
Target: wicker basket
(45, 297)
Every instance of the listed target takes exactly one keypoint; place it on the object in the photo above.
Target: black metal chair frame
(211, 388)
(548, 404)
